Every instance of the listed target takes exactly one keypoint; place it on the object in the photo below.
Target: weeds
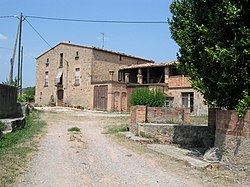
(113, 129)
(74, 129)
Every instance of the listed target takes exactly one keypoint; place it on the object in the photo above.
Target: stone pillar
(167, 74)
(111, 75)
(141, 112)
(232, 137)
(139, 77)
(137, 116)
(186, 116)
(127, 77)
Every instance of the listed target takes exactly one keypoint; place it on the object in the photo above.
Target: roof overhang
(147, 65)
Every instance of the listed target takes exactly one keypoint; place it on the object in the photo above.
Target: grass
(114, 129)
(16, 149)
(74, 129)
(2, 126)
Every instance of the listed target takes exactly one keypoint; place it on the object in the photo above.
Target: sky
(150, 41)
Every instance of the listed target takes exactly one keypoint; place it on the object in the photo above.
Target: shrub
(74, 129)
(28, 95)
(144, 96)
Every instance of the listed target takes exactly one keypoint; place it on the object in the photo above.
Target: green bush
(28, 95)
(144, 96)
(74, 129)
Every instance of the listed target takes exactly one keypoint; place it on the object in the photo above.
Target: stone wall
(183, 135)
(8, 101)
(73, 57)
(104, 61)
(233, 136)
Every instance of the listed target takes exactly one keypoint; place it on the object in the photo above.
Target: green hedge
(144, 96)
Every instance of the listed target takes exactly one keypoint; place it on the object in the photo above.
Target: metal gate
(100, 97)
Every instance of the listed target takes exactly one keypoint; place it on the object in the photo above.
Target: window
(120, 58)
(188, 100)
(169, 102)
(77, 55)
(46, 81)
(61, 60)
(77, 76)
(120, 76)
(47, 62)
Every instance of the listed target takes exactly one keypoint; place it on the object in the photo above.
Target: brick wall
(227, 122)
(8, 101)
(178, 82)
(233, 136)
(168, 115)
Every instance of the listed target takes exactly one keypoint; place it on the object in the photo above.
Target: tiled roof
(135, 66)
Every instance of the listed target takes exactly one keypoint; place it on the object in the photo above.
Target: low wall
(8, 101)
(154, 122)
(141, 114)
(183, 135)
(168, 115)
(232, 136)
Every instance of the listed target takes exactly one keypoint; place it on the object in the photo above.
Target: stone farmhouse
(97, 79)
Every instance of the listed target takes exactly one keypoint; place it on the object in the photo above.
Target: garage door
(100, 97)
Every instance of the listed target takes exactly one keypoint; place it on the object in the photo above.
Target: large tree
(214, 41)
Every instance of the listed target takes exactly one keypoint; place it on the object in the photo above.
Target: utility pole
(13, 57)
(19, 55)
(21, 72)
(102, 39)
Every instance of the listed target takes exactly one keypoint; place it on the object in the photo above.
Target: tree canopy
(214, 41)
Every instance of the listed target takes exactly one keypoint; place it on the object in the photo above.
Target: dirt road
(89, 158)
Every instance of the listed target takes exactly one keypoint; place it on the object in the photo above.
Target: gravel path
(89, 158)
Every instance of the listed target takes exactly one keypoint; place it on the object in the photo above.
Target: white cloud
(2, 37)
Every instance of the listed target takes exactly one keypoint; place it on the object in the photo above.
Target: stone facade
(66, 74)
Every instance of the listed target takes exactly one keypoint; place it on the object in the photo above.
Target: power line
(25, 18)
(97, 21)
(7, 16)
(37, 32)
